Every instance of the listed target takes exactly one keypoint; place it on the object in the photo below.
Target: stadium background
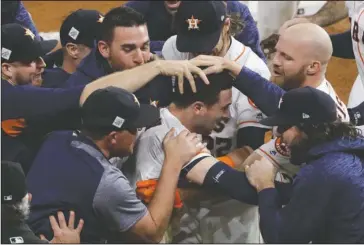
(48, 16)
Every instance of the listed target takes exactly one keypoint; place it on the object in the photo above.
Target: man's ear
(72, 50)
(104, 49)
(112, 137)
(314, 68)
(199, 108)
(6, 70)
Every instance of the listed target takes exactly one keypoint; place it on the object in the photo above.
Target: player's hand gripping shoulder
(182, 148)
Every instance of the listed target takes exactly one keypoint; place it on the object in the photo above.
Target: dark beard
(299, 151)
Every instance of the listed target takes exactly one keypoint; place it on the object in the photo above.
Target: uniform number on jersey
(222, 146)
(356, 33)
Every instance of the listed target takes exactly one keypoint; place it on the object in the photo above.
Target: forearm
(332, 12)
(161, 205)
(130, 80)
(254, 86)
(269, 216)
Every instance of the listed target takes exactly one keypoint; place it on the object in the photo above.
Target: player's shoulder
(170, 52)
(167, 121)
(256, 64)
(244, 55)
(155, 133)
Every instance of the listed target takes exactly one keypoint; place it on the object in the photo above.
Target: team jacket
(327, 201)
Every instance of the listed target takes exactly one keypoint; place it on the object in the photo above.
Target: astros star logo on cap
(101, 19)
(193, 23)
(154, 102)
(29, 33)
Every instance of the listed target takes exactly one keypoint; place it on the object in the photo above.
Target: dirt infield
(48, 16)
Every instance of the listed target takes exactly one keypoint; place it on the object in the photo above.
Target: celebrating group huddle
(172, 146)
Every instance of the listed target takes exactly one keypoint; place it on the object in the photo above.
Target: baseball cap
(19, 44)
(13, 187)
(117, 109)
(303, 105)
(199, 25)
(81, 27)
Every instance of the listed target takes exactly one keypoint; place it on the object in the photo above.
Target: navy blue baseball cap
(199, 25)
(117, 109)
(13, 186)
(303, 105)
(82, 26)
(19, 44)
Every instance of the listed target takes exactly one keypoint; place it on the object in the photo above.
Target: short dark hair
(120, 17)
(207, 94)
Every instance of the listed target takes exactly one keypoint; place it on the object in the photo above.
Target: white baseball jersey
(217, 220)
(356, 12)
(271, 15)
(243, 112)
(276, 153)
(221, 219)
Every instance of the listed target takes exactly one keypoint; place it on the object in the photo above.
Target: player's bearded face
(297, 143)
(288, 80)
(25, 73)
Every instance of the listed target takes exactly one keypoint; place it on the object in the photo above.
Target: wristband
(187, 168)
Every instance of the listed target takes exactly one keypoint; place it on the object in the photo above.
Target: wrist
(174, 164)
(233, 67)
(264, 186)
(158, 66)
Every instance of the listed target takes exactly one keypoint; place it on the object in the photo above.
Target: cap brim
(198, 44)
(47, 46)
(278, 120)
(148, 116)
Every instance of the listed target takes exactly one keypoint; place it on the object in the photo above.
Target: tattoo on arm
(331, 12)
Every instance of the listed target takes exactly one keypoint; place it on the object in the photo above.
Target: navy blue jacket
(160, 24)
(55, 78)
(28, 113)
(327, 201)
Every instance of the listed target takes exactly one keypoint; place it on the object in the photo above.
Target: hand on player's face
(183, 147)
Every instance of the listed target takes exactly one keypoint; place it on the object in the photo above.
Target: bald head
(311, 39)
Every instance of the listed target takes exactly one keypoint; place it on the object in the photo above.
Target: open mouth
(277, 72)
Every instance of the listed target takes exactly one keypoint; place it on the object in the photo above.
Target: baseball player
(303, 51)
(78, 34)
(356, 9)
(198, 113)
(241, 129)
